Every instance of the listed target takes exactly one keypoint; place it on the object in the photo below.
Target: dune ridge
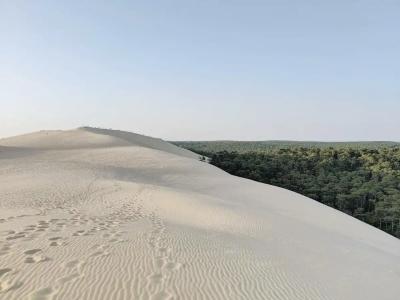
(105, 214)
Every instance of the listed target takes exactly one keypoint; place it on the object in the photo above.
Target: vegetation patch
(362, 182)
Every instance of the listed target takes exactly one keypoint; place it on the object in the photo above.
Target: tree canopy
(364, 183)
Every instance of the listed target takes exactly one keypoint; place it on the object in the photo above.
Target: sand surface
(100, 214)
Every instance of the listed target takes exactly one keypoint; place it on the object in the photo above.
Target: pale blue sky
(202, 70)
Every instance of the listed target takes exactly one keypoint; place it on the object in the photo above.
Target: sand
(102, 214)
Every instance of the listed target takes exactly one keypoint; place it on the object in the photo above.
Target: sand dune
(102, 214)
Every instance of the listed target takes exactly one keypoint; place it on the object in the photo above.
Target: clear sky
(202, 70)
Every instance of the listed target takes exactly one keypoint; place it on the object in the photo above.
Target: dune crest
(90, 137)
(105, 214)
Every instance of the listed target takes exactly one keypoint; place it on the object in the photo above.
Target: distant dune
(104, 214)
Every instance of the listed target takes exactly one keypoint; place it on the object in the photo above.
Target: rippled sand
(101, 214)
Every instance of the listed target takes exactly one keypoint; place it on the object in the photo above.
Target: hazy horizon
(201, 71)
(216, 140)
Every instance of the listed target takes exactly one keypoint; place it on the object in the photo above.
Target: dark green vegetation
(361, 181)
(261, 146)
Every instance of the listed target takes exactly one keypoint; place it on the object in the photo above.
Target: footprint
(30, 227)
(156, 278)
(5, 250)
(172, 266)
(55, 241)
(6, 247)
(8, 285)
(78, 233)
(33, 251)
(44, 226)
(72, 264)
(55, 244)
(76, 264)
(4, 271)
(36, 259)
(164, 250)
(43, 294)
(14, 237)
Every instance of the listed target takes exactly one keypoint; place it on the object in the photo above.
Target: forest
(360, 180)
(261, 146)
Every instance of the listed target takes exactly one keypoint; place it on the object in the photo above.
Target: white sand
(99, 214)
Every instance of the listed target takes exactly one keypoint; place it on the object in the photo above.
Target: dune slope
(102, 214)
